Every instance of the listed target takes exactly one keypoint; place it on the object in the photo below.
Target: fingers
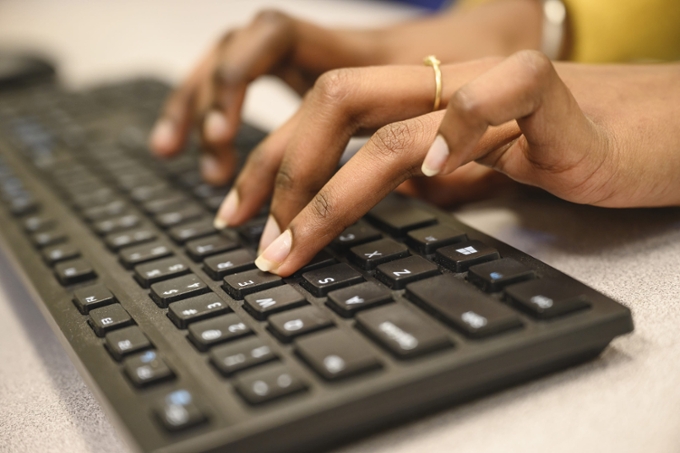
(557, 147)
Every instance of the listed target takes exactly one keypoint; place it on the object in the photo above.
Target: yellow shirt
(605, 31)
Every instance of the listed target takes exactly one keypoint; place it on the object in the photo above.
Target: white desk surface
(627, 400)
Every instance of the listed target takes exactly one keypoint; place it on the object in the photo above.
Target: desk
(626, 401)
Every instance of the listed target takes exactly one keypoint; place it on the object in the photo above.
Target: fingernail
(216, 128)
(163, 135)
(436, 157)
(276, 253)
(271, 231)
(227, 210)
(210, 167)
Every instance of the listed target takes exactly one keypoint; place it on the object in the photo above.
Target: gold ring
(431, 60)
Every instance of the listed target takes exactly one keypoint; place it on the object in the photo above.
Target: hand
(602, 135)
(298, 52)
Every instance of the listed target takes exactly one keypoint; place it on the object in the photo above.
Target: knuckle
(396, 139)
(272, 16)
(285, 179)
(466, 103)
(536, 65)
(321, 205)
(333, 87)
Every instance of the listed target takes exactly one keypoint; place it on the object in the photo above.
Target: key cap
(177, 411)
(132, 256)
(335, 354)
(370, 255)
(147, 368)
(117, 241)
(126, 341)
(90, 297)
(38, 223)
(547, 298)
(193, 230)
(474, 313)
(219, 266)
(397, 274)
(166, 204)
(240, 285)
(398, 218)
(115, 208)
(213, 203)
(497, 274)
(243, 354)
(300, 321)
(347, 301)
(20, 206)
(321, 281)
(262, 304)
(108, 318)
(74, 271)
(461, 256)
(194, 309)
(58, 253)
(252, 231)
(116, 224)
(321, 259)
(357, 234)
(179, 288)
(205, 334)
(149, 192)
(48, 238)
(264, 385)
(183, 215)
(211, 245)
(427, 240)
(403, 331)
(156, 271)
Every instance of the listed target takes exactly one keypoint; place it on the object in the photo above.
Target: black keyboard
(190, 348)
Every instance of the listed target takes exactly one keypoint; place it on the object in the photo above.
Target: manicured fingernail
(227, 210)
(436, 157)
(210, 168)
(163, 135)
(216, 128)
(271, 231)
(276, 253)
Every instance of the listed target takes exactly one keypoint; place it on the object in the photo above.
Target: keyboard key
(396, 274)
(146, 369)
(117, 241)
(321, 259)
(156, 271)
(48, 238)
(39, 223)
(335, 354)
(23, 205)
(74, 271)
(497, 274)
(116, 224)
(179, 216)
(149, 192)
(427, 240)
(348, 301)
(219, 266)
(243, 354)
(240, 285)
(461, 305)
(94, 296)
(194, 230)
(321, 281)
(108, 318)
(58, 253)
(179, 288)
(132, 256)
(211, 245)
(461, 256)
(194, 309)
(370, 255)
(403, 331)
(165, 204)
(397, 218)
(252, 231)
(178, 411)
(357, 234)
(293, 323)
(263, 385)
(126, 341)
(547, 298)
(205, 334)
(274, 300)
(115, 208)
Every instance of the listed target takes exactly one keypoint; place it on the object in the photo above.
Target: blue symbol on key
(148, 356)
(496, 275)
(179, 398)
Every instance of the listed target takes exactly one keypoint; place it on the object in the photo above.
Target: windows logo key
(467, 250)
